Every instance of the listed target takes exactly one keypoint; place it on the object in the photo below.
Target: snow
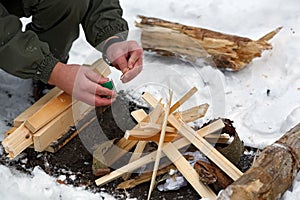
(14, 186)
(263, 100)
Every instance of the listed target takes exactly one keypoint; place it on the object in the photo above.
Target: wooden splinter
(160, 144)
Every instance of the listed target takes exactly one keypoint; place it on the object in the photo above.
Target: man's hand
(127, 56)
(82, 83)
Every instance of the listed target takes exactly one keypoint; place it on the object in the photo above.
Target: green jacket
(23, 54)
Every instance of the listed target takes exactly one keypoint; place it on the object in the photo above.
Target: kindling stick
(160, 144)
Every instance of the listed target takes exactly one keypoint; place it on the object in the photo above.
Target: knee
(78, 8)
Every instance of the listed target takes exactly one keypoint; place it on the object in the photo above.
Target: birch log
(223, 50)
(272, 173)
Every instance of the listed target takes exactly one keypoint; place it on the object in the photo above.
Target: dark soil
(75, 159)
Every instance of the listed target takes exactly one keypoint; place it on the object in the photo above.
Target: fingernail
(125, 70)
(130, 66)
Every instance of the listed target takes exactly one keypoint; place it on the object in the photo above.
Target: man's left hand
(127, 56)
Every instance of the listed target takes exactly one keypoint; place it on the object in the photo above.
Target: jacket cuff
(44, 68)
(118, 29)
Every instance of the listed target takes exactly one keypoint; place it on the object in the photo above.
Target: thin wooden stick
(169, 137)
(203, 132)
(194, 113)
(136, 155)
(160, 144)
(215, 138)
(150, 99)
(183, 99)
(187, 171)
(206, 148)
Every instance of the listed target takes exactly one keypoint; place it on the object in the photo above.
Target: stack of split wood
(222, 50)
(46, 124)
(169, 128)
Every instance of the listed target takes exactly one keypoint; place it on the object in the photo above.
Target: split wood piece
(138, 115)
(10, 131)
(15, 143)
(169, 137)
(272, 173)
(138, 151)
(161, 142)
(204, 132)
(101, 68)
(143, 178)
(193, 113)
(188, 171)
(48, 112)
(154, 128)
(221, 139)
(58, 126)
(36, 106)
(224, 50)
(183, 142)
(183, 99)
(150, 99)
(206, 148)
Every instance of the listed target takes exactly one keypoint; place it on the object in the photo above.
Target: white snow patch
(15, 186)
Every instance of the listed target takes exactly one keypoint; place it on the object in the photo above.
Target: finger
(102, 91)
(121, 63)
(131, 74)
(134, 57)
(94, 77)
(103, 101)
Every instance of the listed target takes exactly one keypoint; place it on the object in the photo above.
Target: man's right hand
(82, 83)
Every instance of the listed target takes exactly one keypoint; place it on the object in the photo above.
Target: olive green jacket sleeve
(22, 53)
(103, 20)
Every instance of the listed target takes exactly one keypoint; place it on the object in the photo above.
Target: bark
(273, 172)
(225, 51)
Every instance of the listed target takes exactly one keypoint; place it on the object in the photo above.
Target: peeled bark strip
(226, 51)
(273, 172)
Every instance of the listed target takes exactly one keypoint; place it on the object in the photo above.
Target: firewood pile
(169, 128)
(49, 123)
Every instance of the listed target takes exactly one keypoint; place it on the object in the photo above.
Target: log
(272, 173)
(224, 50)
